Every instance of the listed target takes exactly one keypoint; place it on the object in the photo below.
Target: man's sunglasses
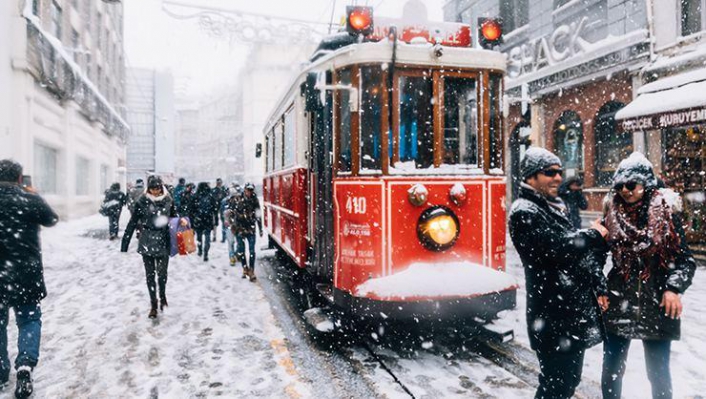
(552, 172)
(631, 185)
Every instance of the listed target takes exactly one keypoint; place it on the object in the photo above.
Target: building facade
(151, 114)
(593, 80)
(669, 111)
(62, 72)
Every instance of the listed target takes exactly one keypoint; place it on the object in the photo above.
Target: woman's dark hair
(115, 186)
(203, 187)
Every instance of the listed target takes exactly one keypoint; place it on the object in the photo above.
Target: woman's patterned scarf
(642, 233)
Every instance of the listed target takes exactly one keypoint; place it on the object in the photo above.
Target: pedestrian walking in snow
(112, 207)
(178, 190)
(203, 207)
(247, 216)
(186, 200)
(220, 192)
(21, 273)
(134, 193)
(234, 197)
(652, 267)
(565, 285)
(571, 193)
(152, 212)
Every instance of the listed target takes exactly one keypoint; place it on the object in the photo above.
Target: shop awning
(675, 101)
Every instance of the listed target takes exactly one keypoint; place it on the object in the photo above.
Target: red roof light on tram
(359, 20)
(490, 32)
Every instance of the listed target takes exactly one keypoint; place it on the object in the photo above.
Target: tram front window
(416, 140)
(460, 121)
(345, 159)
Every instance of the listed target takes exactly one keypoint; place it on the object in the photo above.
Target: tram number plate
(356, 205)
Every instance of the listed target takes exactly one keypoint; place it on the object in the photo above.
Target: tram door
(321, 184)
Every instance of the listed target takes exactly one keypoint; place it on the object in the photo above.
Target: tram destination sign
(692, 116)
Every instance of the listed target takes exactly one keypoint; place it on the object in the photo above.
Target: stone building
(61, 103)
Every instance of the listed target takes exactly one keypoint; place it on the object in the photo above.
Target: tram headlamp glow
(438, 228)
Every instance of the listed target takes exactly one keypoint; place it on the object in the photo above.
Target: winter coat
(152, 213)
(185, 203)
(219, 194)
(21, 270)
(203, 207)
(562, 272)
(247, 216)
(634, 310)
(133, 195)
(113, 202)
(178, 190)
(575, 202)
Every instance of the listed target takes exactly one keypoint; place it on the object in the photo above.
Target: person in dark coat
(134, 193)
(21, 273)
(220, 192)
(186, 200)
(247, 217)
(152, 212)
(571, 193)
(203, 207)
(178, 190)
(113, 204)
(652, 267)
(565, 285)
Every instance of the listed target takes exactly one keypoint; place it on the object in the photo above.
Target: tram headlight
(438, 228)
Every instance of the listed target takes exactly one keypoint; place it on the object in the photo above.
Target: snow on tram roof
(407, 55)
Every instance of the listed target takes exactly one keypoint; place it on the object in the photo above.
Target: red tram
(384, 175)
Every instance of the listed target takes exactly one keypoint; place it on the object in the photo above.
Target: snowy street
(224, 336)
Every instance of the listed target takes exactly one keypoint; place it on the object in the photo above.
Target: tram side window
(460, 121)
(371, 118)
(279, 130)
(271, 153)
(267, 154)
(289, 138)
(496, 128)
(416, 140)
(344, 126)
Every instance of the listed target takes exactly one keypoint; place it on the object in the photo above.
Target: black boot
(24, 386)
(163, 303)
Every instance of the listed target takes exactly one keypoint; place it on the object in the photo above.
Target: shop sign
(666, 120)
(587, 68)
(564, 43)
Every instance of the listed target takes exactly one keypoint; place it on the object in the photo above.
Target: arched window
(612, 145)
(568, 140)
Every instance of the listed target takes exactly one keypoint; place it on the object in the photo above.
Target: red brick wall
(585, 100)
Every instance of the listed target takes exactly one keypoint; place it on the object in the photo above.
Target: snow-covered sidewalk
(217, 337)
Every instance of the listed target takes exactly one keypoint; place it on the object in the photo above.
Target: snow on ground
(688, 355)
(217, 338)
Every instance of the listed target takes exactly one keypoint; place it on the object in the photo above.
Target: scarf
(636, 242)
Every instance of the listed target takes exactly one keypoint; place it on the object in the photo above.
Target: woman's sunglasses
(552, 172)
(631, 185)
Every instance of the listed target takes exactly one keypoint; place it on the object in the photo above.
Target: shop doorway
(568, 142)
(612, 144)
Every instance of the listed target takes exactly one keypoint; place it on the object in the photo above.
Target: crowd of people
(571, 304)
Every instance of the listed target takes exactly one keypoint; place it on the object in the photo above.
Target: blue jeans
(251, 249)
(230, 237)
(29, 325)
(615, 354)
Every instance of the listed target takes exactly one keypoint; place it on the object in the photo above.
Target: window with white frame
(83, 171)
(692, 16)
(104, 177)
(45, 169)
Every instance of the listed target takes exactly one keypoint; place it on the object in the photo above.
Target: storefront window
(685, 162)
(45, 169)
(371, 118)
(416, 140)
(460, 121)
(82, 175)
(568, 140)
(612, 145)
(515, 14)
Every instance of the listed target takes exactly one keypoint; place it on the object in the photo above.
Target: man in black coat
(112, 207)
(21, 272)
(566, 288)
(571, 193)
